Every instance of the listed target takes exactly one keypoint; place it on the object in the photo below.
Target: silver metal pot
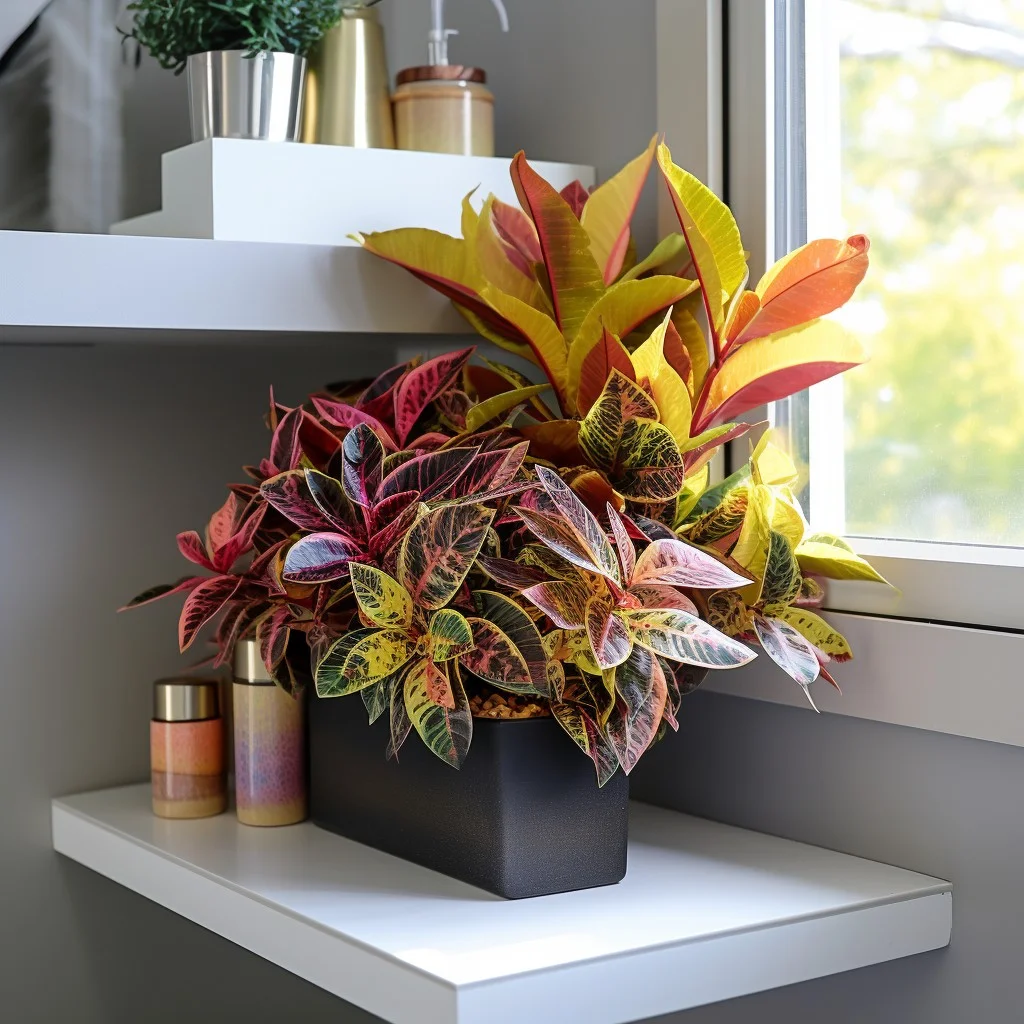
(234, 96)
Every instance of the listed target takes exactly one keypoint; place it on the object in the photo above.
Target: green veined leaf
(383, 600)
(633, 680)
(377, 696)
(729, 613)
(450, 634)
(446, 731)
(781, 572)
(815, 629)
(683, 637)
(360, 658)
(651, 466)
(632, 733)
(725, 518)
(398, 721)
(602, 428)
(513, 621)
(439, 550)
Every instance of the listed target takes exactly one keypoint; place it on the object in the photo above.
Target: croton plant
(455, 529)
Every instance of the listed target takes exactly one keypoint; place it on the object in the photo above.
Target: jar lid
(441, 73)
(248, 664)
(185, 699)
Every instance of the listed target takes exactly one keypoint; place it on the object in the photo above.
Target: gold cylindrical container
(270, 745)
(347, 97)
(186, 743)
(444, 108)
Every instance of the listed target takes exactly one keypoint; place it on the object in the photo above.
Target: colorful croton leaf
(454, 532)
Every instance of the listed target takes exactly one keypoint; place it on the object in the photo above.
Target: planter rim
(249, 55)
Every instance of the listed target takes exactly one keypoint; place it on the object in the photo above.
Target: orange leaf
(767, 369)
(607, 354)
(556, 441)
(808, 283)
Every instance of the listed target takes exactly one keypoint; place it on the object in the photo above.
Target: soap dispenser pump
(441, 107)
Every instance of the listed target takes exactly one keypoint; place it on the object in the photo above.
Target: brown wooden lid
(441, 73)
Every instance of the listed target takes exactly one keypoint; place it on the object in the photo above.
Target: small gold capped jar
(186, 743)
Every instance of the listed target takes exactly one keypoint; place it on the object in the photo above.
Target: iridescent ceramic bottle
(270, 745)
(186, 742)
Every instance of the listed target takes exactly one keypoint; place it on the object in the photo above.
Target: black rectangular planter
(522, 817)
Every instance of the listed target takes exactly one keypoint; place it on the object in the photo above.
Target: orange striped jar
(186, 744)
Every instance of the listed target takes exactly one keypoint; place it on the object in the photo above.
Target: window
(904, 120)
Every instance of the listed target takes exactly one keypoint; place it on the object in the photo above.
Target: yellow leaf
(752, 546)
(711, 234)
(620, 309)
(815, 629)
(550, 351)
(668, 250)
(470, 218)
(770, 464)
(491, 407)
(609, 209)
(835, 563)
(383, 600)
(667, 387)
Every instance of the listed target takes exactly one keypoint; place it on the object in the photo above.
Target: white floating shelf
(87, 288)
(246, 191)
(706, 912)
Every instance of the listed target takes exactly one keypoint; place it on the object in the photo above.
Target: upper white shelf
(706, 912)
(87, 288)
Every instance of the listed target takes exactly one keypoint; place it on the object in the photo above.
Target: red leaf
(421, 386)
(202, 605)
(383, 384)
(223, 523)
(317, 442)
(518, 235)
(363, 464)
(224, 557)
(607, 355)
(510, 574)
(285, 450)
(341, 414)
(428, 475)
(190, 544)
(163, 590)
(576, 196)
(289, 493)
(676, 354)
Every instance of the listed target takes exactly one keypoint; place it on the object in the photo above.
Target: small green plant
(174, 30)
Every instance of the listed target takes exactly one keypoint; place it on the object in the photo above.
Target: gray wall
(109, 451)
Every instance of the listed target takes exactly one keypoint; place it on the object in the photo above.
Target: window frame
(943, 649)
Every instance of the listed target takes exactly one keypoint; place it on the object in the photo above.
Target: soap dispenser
(441, 107)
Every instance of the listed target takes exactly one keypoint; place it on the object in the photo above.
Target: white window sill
(952, 679)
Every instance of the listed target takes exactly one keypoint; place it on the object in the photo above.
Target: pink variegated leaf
(285, 450)
(273, 634)
(631, 735)
(582, 522)
(164, 590)
(565, 604)
(289, 493)
(680, 564)
(556, 534)
(658, 595)
(202, 604)
(634, 680)
(235, 629)
(341, 414)
(790, 650)
(190, 544)
(264, 569)
(602, 751)
(363, 462)
(388, 536)
(320, 558)
(390, 508)
(429, 475)
(226, 556)
(623, 544)
(609, 639)
(419, 387)
(518, 235)
(679, 636)
(493, 469)
(510, 574)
